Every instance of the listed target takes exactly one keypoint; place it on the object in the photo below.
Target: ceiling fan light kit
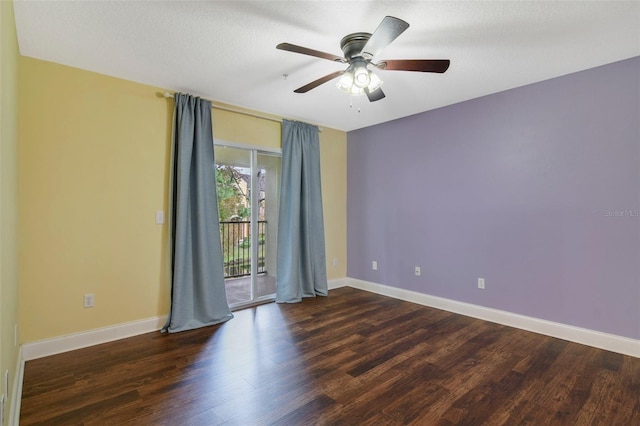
(357, 78)
(359, 50)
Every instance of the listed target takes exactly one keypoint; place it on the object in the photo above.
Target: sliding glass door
(248, 181)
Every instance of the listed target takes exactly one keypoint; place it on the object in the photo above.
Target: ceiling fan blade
(376, 95)
(318, 82)
(388, 30)
(422, 65)
(306, 51)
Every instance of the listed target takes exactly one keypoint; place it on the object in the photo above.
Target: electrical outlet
(335, 262)
(374, 265)
(89, 300)
(417, 271)
(481, 283)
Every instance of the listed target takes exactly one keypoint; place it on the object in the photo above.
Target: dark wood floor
(351, 358)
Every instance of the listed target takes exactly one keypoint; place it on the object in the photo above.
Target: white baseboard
(88, 338)
(610, 342)
(97, 336)
(337, 283)
(14, 411)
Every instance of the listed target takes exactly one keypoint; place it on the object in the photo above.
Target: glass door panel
(233, 183)
(249, 257)
(268, 182)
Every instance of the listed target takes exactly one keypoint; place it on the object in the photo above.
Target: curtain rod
(264, 117)
(237, 111)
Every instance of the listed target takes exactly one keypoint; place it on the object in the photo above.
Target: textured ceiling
(225, 50)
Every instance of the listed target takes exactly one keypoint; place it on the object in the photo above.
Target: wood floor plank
(351, 358)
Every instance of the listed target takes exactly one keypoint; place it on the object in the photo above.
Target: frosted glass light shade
(345, 82)
(356, 79)
(374, 82)
(361, 77)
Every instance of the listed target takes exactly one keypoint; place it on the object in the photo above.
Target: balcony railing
(236, 247)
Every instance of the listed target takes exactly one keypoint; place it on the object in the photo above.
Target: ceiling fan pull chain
(351, 102)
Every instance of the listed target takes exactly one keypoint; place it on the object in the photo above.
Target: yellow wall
(8, 197)
(93, 167)
(333, 161)
(92, 172)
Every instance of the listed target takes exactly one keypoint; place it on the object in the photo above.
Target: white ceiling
(225, 50)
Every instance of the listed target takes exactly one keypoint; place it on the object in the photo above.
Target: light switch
(159, 217)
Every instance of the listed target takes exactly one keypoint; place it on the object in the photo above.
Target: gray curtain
(198, 295)
(301, 254)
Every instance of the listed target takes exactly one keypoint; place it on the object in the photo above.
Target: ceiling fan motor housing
(352, 44)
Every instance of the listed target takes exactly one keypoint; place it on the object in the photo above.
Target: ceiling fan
(359, 50)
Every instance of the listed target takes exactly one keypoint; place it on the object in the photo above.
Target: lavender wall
(535, 189)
